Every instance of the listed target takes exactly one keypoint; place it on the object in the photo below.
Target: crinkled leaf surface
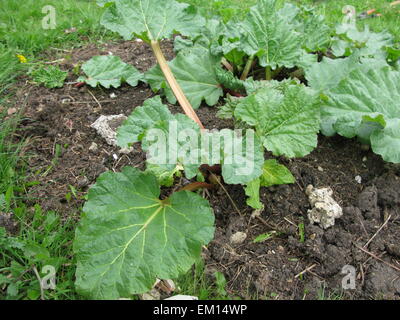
(127, 237)
(227, 111)
(50, 77)
(372, 96)
(151, 19)
(159, 130)
(269, 36)
(208, 37)
(252, 86)
(182, 44)
(109, 71)
(241, 157)
(229, 81)
(287, 121)
(307, 60)
(164, 176)
(317, 34)
(194, 69)
(174, 142)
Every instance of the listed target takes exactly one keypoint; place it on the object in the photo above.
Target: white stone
(324, 208)
(107, 126)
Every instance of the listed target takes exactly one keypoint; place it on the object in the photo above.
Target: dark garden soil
(271, 269)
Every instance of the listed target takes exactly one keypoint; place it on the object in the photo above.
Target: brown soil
(253, 270)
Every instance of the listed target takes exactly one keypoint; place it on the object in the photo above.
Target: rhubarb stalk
(176, 88)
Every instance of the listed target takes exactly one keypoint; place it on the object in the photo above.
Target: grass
(390, 19)
(198, 284)
(21, 31)
(43, 240)
(8, 155)
(43, 237)
(21, 25)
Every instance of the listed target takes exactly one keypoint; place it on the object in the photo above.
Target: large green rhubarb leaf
(270, 36)
(209, 37)
(315, 32)
(109, 71)
(195, 71)
(128, 237)
(328, 73)
(367, 105)
(151, 19)
(287, 121)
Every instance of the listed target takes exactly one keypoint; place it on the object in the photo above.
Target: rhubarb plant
(131, 233)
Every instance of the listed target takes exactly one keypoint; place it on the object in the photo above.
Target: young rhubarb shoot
(247, 68)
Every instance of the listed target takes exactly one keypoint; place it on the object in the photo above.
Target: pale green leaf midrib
(125, 247)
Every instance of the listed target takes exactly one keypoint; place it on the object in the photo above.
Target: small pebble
(93, 147)
(320, 169)
(11, 111)
(238, 237)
